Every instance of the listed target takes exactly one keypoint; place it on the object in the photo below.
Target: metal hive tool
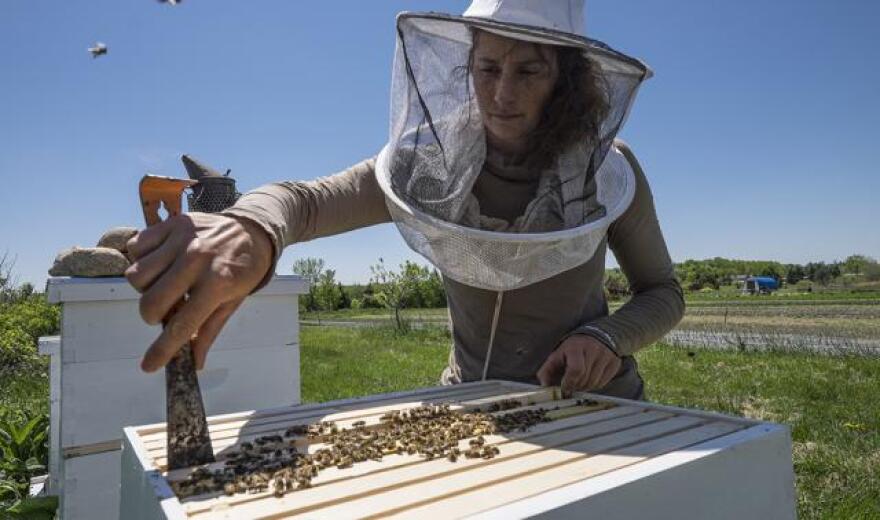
(188, 442)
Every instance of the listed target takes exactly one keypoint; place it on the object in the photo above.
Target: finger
(209, 330)
(170, 287)
(142, 273)
(609, 373)
(596, 368)
(180, 328)
(587, 362)
(575, 373)
(146, 240)
(549, 373)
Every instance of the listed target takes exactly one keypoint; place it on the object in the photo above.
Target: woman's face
(512, 80)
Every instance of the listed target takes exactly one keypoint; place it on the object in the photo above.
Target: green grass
(438, 314)
(833, 321)
(339, 362)
(830, 403)
(784, 295)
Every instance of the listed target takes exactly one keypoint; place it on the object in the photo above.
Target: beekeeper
(502, 170)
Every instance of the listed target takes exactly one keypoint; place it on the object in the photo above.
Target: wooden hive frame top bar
(588, 435)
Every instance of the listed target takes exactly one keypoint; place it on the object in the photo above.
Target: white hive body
(586, 457)
(97, 387)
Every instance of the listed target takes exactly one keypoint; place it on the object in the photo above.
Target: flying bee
(99, 49)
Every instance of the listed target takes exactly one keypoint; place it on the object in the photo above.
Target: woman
(502, 170)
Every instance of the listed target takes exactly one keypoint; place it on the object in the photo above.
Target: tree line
(410, 286)
(713, 273)
(415, 286)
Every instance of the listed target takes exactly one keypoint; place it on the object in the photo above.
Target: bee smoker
(213, 192)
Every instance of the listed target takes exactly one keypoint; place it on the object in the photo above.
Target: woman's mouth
(506, 117)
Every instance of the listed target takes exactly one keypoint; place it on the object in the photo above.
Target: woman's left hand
(582, 363)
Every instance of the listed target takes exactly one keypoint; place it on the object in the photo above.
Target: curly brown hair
(574, 111)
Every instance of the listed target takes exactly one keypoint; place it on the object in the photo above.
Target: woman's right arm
(295, 211)
(216, 260)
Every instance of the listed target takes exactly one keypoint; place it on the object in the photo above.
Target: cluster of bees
(431, 431)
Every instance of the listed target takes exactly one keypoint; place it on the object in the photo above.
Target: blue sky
(758, 132)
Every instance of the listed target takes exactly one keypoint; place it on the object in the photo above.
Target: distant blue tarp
(763, 283)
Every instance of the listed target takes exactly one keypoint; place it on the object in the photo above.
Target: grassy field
(830, 403)
(834, 320)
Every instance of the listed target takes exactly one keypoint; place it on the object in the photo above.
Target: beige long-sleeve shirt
(534, 319)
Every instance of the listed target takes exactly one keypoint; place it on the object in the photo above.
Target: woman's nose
(505, 89)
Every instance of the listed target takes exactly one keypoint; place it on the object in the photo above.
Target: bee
(279, 486)
(99, 49)
(298, 430)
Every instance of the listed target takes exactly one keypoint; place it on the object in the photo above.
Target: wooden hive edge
(538, 505)
(715, 416)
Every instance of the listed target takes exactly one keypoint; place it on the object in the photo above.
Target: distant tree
(794, 273)
(395, 288)
(327, 294)
(872, 272)
(616, 284)
(310, 269)
(435, 291)
(7, 279)
(821, 273)
(428, 291)
(344, 300)
(856, 264)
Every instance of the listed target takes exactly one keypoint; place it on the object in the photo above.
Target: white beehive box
(97, 387)
(616, 460)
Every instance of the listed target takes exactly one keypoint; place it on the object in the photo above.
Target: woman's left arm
(657, 302)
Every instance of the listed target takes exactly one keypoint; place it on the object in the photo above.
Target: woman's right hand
(215, 260)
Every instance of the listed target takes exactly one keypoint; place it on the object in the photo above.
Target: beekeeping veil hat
(437, 147)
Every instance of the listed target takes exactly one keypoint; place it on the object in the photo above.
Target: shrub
(21, 324)
(24, 446)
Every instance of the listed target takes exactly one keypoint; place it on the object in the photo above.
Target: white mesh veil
(437, 148)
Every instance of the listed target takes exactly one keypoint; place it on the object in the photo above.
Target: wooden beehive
(97, 386)
(598, 457)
